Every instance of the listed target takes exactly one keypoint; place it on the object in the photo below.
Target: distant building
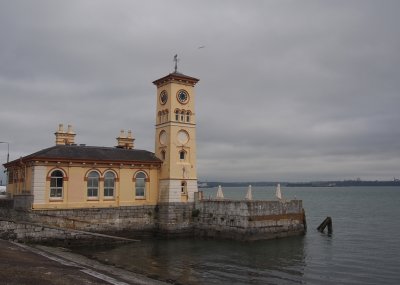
(70, 175)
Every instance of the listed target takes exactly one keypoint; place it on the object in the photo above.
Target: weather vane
(176, 62)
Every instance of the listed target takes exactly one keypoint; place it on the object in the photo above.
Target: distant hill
(344, 183)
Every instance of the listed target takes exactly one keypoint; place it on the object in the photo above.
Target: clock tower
(175, 137)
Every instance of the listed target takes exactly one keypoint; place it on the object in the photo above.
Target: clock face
(163, 97)
(183, 96)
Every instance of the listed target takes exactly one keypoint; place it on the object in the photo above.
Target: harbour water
(363, 249)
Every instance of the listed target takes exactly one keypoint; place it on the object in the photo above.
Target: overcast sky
(288, 91)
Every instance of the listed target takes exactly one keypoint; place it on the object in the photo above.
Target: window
(183, 116)
(177, 115)
(183, 187)
(182, 155)
(93, 185)
(140, 185)
(159, 117)
(109, 184)
(163, 154)
(56, 184)
(188, 117)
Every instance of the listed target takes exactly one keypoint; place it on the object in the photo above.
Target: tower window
(188, 117)
(159, 117)
(183, 187)
(182, 155)
(176, 115)
(163, 154)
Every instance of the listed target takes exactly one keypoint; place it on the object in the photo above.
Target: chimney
(124, 141)
(64, 138)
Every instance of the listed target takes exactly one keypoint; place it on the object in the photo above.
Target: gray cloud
(288, 90)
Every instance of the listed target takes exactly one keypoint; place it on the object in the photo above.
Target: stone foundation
(33, 233)
(228, 219)
(249, 220)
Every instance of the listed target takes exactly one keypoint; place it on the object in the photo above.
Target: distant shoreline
(345, 183)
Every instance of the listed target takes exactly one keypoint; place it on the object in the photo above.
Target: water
(363, 249)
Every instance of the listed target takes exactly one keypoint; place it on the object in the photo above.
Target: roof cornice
(176, 77)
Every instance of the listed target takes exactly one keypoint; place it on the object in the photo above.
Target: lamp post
(8, 158)
(8, 151)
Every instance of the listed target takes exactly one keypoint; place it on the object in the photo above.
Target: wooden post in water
(326, 222)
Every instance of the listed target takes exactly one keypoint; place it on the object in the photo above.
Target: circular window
(183, 137)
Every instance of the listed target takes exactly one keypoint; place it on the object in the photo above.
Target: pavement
(22, 264)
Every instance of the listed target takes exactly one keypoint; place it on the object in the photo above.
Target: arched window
(159, 117)
(182, 155)
(93, 185)
(109, 184)
(140, 185)
(176, 115)
(183, 116)
(163, 154)
(164, 116)
(188, 116)
(56, 184)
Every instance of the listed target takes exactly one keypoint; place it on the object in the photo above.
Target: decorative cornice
(176, 77)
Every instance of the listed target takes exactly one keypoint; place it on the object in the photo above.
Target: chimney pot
(70, 129)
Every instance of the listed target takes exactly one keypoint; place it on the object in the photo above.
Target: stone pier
(226, 219)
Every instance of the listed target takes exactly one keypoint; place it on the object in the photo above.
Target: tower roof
(176, 77)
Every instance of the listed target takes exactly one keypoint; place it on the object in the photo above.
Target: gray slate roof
(93, 153)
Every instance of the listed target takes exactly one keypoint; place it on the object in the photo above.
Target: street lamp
(8, 157)
(8, 151)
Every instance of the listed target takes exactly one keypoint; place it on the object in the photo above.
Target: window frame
(142, 187)
(106, 187)
(90, 188)
(183, 188)
(56, 189)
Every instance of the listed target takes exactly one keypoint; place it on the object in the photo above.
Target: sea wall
(175, 219)
(126, 221)
(249, 220)
(228, 219)
(34, 233)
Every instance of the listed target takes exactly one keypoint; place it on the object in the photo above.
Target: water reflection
(187, 261)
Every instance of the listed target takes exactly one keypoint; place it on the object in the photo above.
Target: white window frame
(92, 188)
(107, 187)
(56, 188)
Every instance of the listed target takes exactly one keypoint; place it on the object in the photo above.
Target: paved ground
(24, 265)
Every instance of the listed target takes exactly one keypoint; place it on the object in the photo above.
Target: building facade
(70, 175)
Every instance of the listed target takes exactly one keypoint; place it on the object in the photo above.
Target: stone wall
(249, 220)
(28, 232)
(125, 221)
(241, 220)
(175, 219)
(23, 201)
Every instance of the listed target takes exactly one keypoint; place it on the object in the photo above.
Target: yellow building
(69, 175)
